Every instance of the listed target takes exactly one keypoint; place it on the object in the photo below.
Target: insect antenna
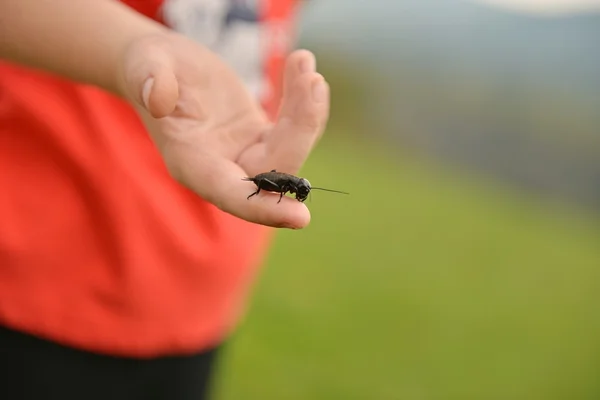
(329, 190)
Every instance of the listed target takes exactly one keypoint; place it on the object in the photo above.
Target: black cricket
(282, 183)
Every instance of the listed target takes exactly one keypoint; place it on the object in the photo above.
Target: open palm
(211, 132)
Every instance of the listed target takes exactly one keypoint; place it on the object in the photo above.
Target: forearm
(82, 40)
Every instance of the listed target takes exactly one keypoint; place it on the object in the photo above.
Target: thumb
(149, 78)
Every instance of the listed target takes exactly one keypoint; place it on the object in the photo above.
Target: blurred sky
(494, 83)
(539, 7)
(462, 35)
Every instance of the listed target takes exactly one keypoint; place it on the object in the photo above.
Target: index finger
(220, 182)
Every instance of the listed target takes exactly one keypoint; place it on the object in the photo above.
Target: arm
(82, 40)
(208, 128)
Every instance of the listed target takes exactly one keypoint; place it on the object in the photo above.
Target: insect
(281, 182)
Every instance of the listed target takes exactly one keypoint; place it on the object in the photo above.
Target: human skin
(208, 128)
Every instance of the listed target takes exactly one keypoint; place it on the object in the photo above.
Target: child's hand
(211, 132)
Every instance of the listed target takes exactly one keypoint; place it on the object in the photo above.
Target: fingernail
(146, 92)
(319, 91)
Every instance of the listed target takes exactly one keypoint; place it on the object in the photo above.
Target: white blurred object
(548, 7)
(231, 28)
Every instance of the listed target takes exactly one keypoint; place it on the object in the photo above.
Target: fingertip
(304, 61)
(299, 219)
(160, 93)
(289, 214)
(298, 63)
(148, 78)
(303, 219)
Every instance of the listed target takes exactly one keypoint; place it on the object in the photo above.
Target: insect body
(282, 183)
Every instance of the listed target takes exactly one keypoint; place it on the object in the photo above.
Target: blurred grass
(424, 283)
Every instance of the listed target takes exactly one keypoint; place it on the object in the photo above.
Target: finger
(160, 92)
(298, 62)
(219, 181)
(150, 80)
(303, 115)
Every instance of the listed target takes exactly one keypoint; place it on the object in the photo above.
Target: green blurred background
(465, 264)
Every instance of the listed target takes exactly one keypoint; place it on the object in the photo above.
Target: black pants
(34, 369)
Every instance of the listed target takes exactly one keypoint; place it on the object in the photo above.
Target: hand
(211, 132)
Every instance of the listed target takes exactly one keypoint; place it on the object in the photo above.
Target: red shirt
(99, 248)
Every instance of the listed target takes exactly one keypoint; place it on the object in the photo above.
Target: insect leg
(252, 194)
(283, 190)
